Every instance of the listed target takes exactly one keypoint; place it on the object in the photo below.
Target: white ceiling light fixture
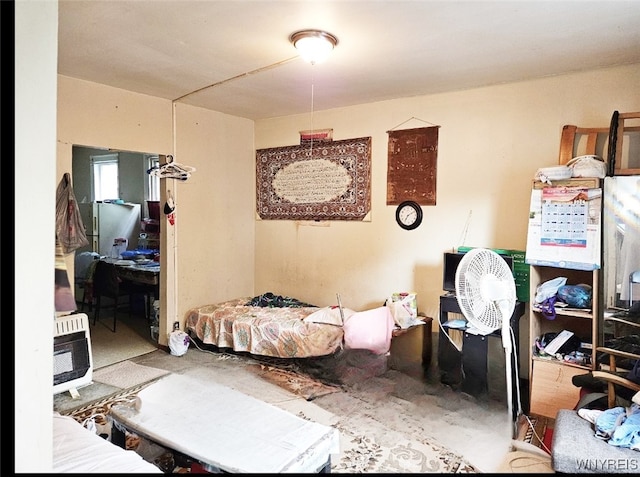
(314, 45)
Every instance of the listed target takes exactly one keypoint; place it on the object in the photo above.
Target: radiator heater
(72, 360)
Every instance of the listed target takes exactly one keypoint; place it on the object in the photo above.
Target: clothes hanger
(172, 170)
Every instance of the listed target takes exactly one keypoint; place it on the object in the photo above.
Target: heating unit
(72, 360)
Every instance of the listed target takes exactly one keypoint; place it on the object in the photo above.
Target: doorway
(123, 177)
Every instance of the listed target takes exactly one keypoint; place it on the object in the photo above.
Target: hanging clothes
(64, 298)
(70, 230)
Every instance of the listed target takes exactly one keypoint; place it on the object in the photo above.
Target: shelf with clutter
(150, 227)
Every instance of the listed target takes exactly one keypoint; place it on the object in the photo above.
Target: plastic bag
(178, 342)
(549, 288)
(587, 166)
(578, 296)
(554, 173)
(404, 309)
(69, 226)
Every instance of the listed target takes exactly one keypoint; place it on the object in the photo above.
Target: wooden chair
(572, 138)
(611, 376)
(570, 428)
(106, 283)
(605, 142)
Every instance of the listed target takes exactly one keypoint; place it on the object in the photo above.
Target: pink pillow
(370, 330)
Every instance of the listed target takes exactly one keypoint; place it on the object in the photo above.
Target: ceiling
(387, 49)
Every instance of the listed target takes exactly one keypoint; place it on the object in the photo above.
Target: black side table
(467, 371)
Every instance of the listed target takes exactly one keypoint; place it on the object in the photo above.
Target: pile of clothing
(618, 426)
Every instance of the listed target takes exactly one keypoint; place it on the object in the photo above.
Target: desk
(142, 274)
(472, 362)
(226, 430)
(146, 277)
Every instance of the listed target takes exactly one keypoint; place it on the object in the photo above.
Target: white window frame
(154, 181)
(102, 182)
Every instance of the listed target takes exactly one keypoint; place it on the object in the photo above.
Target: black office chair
(106, 283)
(84, 265)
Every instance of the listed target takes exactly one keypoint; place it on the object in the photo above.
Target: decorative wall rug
(412, 157)
(296, 383)
(329, 181)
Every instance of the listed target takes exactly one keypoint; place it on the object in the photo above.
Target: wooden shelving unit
(551, 386)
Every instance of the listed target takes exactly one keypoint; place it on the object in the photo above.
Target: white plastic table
(226, 430)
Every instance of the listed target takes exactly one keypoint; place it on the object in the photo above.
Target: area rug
(109, 348)
(127, 374)
(107, 382)
(102, 407)
(298, 384)
(369, 446)
(386, 451)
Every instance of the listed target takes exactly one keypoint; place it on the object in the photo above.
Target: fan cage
(485, 289)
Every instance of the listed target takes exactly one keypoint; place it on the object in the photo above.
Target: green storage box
(520, 270)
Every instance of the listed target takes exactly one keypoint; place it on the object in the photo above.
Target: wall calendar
(564, 227)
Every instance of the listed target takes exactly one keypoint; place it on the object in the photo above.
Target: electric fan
(486, 294)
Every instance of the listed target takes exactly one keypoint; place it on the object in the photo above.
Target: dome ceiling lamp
(314, 45)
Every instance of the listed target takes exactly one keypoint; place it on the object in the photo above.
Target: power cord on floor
(219, 354)
(519, 401)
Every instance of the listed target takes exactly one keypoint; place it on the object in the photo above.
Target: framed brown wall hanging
(412, 166)
(321, 181)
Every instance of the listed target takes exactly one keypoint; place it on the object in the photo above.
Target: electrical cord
(446, 333)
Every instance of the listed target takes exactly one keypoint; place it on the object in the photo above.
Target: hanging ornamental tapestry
(318, 181)
(412, 166)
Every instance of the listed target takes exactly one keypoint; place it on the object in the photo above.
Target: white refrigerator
(106, 221)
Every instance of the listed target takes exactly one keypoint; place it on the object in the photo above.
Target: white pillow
(329, 315)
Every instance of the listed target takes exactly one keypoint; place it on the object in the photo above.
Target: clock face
(409, 215)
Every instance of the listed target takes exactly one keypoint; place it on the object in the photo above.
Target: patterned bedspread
(268, 331)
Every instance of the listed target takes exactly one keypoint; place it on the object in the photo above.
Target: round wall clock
(409, 215)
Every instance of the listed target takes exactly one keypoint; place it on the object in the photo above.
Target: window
(154, 181)
(105, 177)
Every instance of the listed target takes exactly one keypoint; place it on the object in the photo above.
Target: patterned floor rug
(296, 383)
(379, 449)
(94, 416)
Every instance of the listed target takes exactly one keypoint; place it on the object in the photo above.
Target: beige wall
(210, 248)
(215, 208)
(491, 142)
(35, 194)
